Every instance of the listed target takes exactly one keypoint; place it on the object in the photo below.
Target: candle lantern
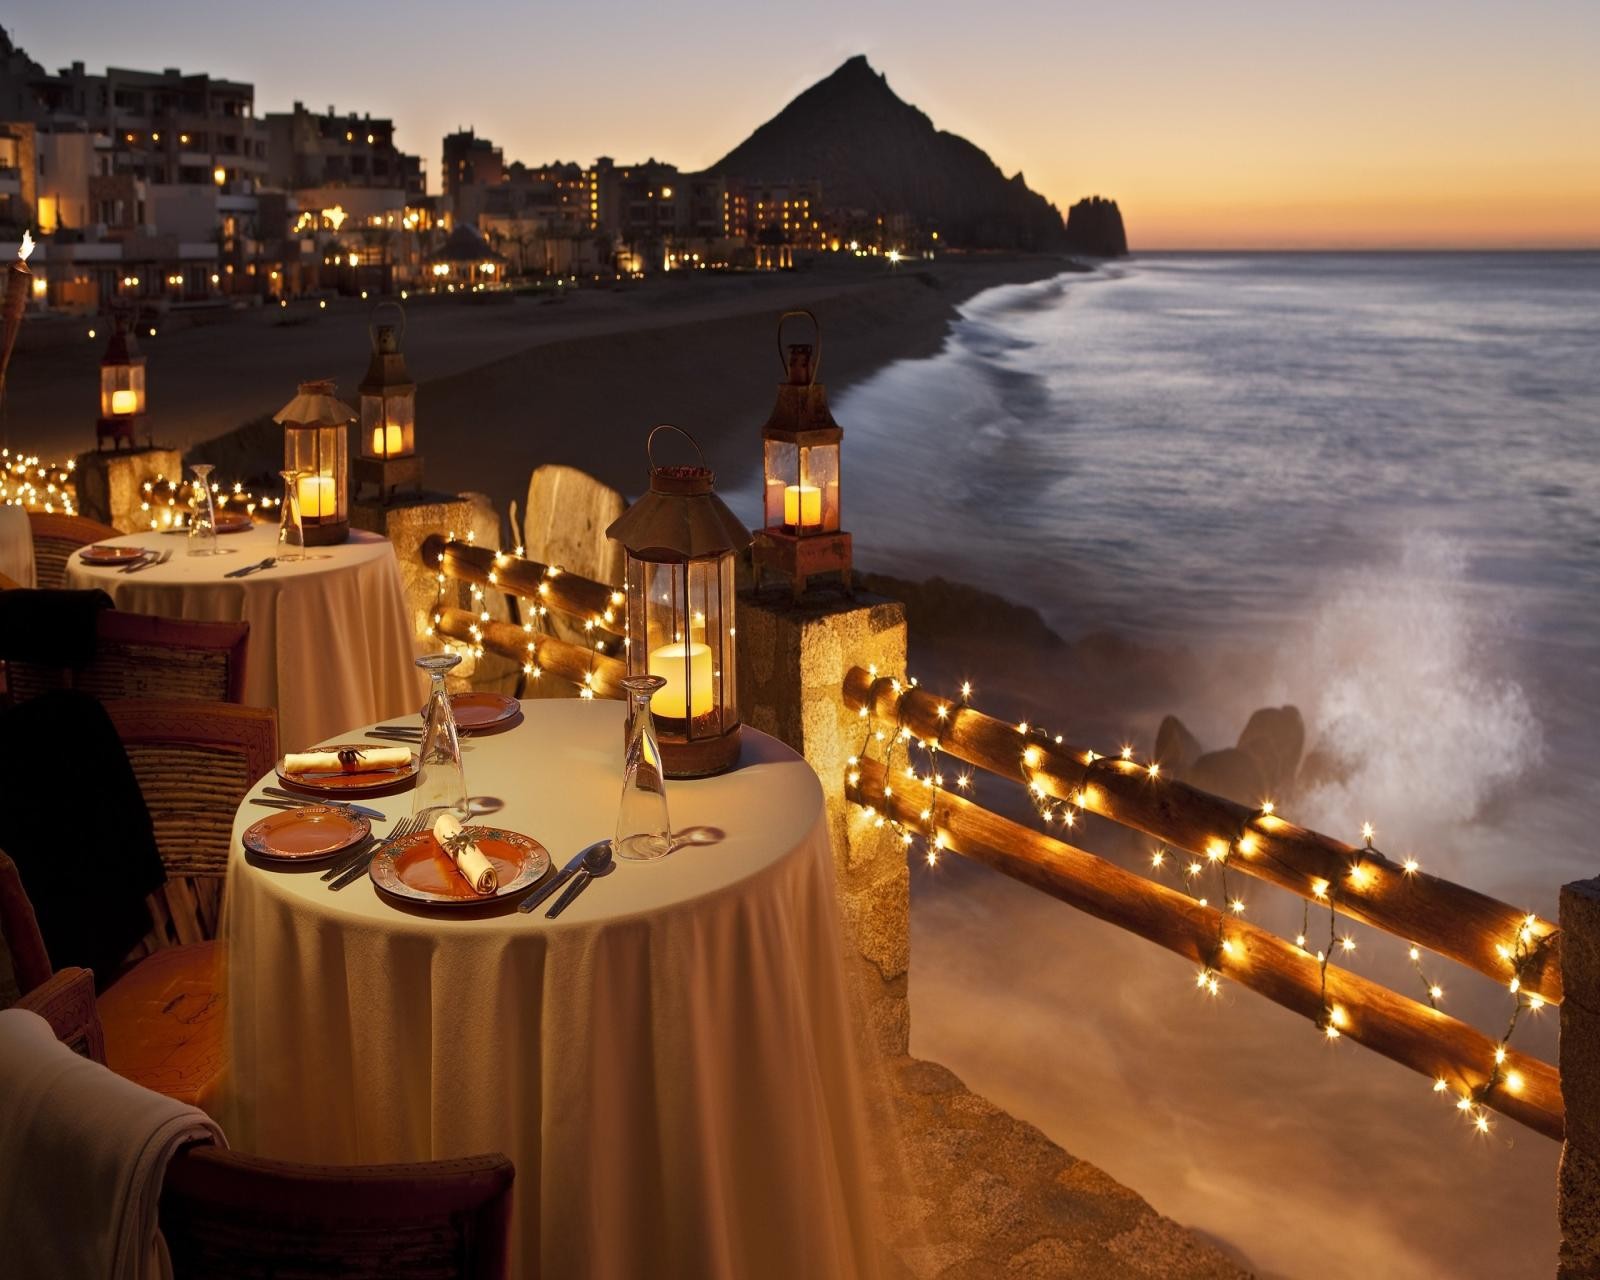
(122, 403)
(800, 467)
(388, 457)
(316, 447)
(681, 542)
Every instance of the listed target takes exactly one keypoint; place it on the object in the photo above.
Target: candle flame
(27, 246)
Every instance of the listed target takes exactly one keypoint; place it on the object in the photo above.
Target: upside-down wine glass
(441, 781)
(203, 519)
(291, 533)
(643, 829)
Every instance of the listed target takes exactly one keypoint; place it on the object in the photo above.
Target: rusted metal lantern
(388, 457)
(682, 541)
(122, 402)
(800, 468)
(316, 446)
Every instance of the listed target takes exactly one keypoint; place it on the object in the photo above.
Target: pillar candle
(124, 402)
(387, 442)
(802, 505)
(318, 498)
(687, 672)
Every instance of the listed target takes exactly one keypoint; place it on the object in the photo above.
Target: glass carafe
(291, 533)
(441, 781)
(203, 517)
(643, 829)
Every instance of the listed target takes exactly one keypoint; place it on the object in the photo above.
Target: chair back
(24, 962)
(141, 656)
(55, 538)
(224, 1214)
(195, 761)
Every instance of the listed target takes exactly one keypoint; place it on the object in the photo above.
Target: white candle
(386, 441)
(318, 500)
(687, 672)
(124, 402)
(802, 505)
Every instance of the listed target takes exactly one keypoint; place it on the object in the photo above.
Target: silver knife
(556, 881)
(300, 801)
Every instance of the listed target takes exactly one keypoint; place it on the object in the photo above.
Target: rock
(1231, 773)
(1321, 769)
(1176, 748)
(1094, 226)
(565, 525)
(1274, 737)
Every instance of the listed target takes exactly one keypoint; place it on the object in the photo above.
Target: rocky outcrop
(1263, 765)
(1094, 227)
(872, 151)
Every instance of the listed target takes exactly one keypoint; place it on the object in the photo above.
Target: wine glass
(203, 520)
(291, 533)
(441, 780)
(643, 828)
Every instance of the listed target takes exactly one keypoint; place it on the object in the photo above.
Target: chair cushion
(164, 1021)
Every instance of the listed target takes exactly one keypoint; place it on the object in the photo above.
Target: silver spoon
(595, 862)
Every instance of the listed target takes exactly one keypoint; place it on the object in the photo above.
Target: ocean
(1364, 484)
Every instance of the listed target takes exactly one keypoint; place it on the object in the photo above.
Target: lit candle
(317, 498)
(686, 668)
(386, 441)
(124, 402)
(802, 505)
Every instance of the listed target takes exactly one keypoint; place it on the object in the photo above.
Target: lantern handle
(372, 321)
(816, 358)
(649, 443)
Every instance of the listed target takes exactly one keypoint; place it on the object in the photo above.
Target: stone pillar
(111, 483)
(1578, 1183)
(792, 663)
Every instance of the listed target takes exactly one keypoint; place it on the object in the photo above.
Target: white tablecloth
(16, 546)
(670, 1063)
(330, 636)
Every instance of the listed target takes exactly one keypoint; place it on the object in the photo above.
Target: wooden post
(1454, 921)
(1578, 1184)
(555, 657)
(567, 592)
(1411, 1033)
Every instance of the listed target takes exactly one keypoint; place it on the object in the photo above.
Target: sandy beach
(575, 376)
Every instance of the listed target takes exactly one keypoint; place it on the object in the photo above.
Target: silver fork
(356, 867)
(152, 558)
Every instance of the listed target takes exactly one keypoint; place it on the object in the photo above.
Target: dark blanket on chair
(73, 820)
(50, 628)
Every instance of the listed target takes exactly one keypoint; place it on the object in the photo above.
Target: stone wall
(792, 662)
(110, 484)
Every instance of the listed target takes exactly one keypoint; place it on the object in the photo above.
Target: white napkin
(470, 862)
(329, 761)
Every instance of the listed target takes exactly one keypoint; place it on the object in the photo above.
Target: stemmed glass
(643, 829)
(441, 781)
(291, 533)
(203, 520)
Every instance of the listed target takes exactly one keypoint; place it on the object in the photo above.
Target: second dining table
(330, 635)
(671, 1063)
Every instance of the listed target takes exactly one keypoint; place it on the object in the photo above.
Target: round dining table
(330, 636)
(670, 1063)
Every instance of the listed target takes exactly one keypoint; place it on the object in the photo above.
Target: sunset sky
(1229, 124)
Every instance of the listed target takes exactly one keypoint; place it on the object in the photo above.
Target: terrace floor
(979, 1194)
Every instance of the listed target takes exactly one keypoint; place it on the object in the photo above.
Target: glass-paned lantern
(388, 457)
(800, 471)
(681, 542)
(122, 402)
(316, 446)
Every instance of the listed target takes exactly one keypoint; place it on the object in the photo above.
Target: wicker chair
(66, 999)
(195, 761)
(140, 656)
(226, 1215)
(55, 538)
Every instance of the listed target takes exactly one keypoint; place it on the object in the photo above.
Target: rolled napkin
(347, 761)
(476, 869)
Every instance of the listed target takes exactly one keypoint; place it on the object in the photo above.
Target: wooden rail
(568, 593)
(1405, 1030)
(1462, 924)
(601, 673)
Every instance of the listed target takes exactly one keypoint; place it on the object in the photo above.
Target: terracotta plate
(105, 553)
(348, 784)
(415, 869)
(234, 521)
(480, 710)
(300, 835)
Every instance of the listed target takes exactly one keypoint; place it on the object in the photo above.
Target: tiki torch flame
(27, 246)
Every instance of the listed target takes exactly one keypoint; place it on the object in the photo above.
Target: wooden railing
(594, 605)
(1487, 935)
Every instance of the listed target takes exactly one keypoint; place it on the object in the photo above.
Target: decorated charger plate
(352, 782)
(105, 553)
(415, 870)
(303, 835)
(483, 710)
